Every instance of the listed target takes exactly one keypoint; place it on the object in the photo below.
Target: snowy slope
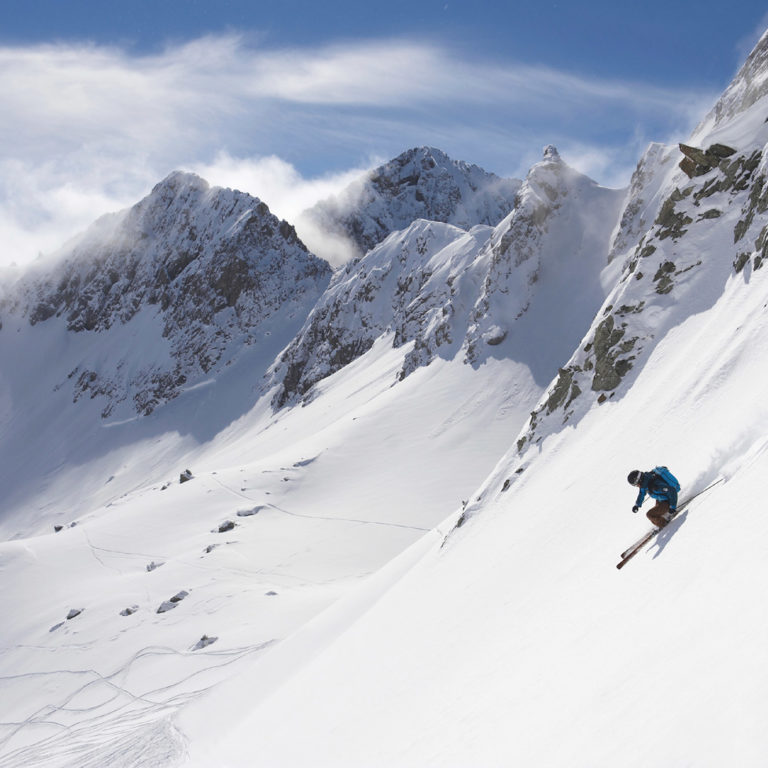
(518, 643)
(321, 497)
(515, 641)
(415, 565)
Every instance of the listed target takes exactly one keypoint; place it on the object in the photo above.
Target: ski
(635, 548)
(629, 553)
(638, 543)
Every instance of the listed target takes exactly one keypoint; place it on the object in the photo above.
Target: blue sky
(290, 100)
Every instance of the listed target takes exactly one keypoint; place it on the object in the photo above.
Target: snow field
(518, 642)
(342, 486)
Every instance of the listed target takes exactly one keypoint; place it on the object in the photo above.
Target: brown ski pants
(656, 514)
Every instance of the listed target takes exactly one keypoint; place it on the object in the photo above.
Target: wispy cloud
(88, 129)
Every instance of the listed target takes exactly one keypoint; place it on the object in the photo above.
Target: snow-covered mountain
(403, 547)
(422, 183)
(206, 272)
(520, 290)
(514, 641)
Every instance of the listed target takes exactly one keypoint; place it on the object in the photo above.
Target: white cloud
(285, 190)
(88, 129)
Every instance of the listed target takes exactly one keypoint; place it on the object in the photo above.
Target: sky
(291, 100)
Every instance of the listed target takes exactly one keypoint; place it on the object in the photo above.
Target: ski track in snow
(150, 709)
(327, 518)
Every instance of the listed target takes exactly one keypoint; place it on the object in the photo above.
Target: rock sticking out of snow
(74, 612)
(129, 611)
(203, 642)
(249, 512)
(173, 602)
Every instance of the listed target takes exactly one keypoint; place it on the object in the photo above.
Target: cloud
(88, 129)
(288, 194)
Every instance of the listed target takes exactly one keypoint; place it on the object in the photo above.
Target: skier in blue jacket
(661, 485)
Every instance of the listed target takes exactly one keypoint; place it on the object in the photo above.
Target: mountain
(403, 547)
(422, 183)
(514, 640)
(205, 271)
(150, 330)
(517, 290)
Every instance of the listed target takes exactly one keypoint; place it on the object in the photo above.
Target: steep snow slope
(422, 183)
(517, 642)
(337, 488)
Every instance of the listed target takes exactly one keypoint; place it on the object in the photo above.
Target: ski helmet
(633, 477)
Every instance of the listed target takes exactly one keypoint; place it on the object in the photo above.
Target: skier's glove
(635, 508)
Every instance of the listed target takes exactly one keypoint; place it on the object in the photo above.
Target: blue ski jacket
(656, 487)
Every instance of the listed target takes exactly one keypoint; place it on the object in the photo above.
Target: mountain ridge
(420, 183)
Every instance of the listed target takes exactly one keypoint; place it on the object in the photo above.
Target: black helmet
(633, 477)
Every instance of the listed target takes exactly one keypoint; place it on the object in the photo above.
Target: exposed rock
(741, 261)
(249, 512)
(74, 612)
(169, 605)
(564, 391)
(204, 642)
(185, 476)
(129, 611)
(697, 162)
(672, 222)
(663, 277)
(609, 369)
(227, 525)
(153, 565)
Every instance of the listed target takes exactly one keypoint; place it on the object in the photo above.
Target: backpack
(668, 477)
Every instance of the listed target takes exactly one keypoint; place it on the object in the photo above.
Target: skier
(661, 485)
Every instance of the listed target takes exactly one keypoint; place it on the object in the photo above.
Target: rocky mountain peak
(213, 269)
(421, 183)
(551, 154)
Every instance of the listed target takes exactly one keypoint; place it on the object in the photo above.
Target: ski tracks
(110, 723)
